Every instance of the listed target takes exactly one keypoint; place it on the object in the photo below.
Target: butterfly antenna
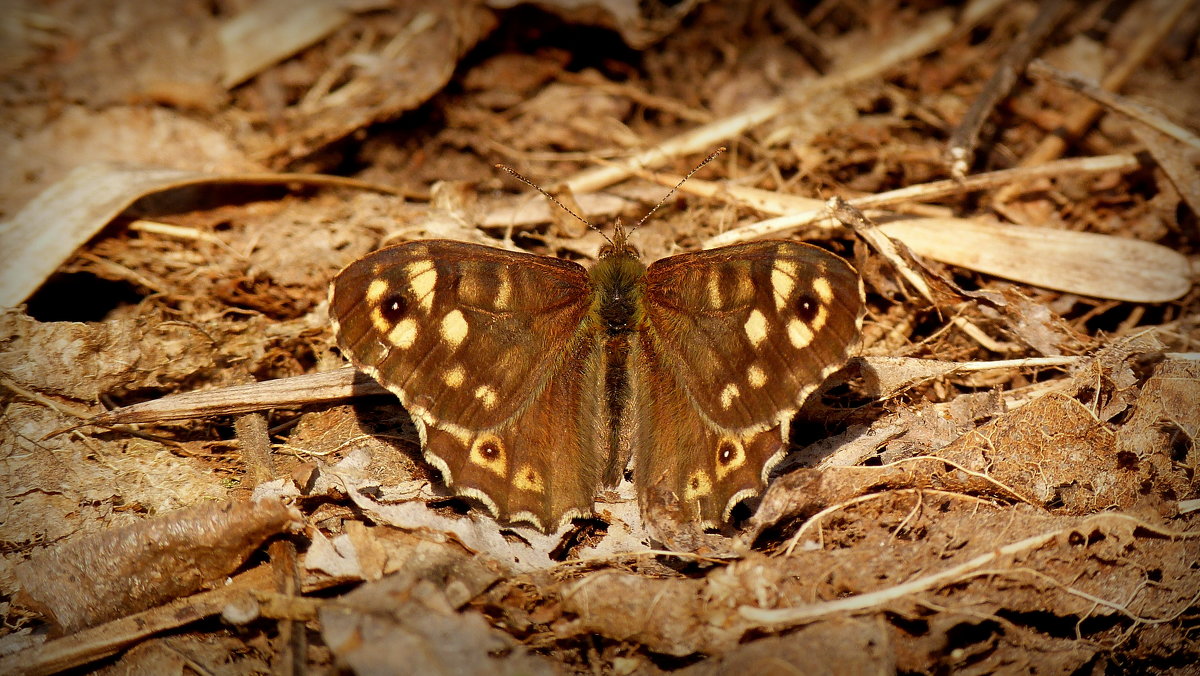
(552, 198)
(663, 201)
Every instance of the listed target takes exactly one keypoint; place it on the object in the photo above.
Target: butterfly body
(533, 381)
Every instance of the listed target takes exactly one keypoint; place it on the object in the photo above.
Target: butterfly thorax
(619, 281)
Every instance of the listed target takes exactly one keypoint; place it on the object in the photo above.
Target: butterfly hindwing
(475, 341)
(736, 339)
(544, 465)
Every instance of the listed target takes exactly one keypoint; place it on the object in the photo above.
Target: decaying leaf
(118, 572)
(408, 621)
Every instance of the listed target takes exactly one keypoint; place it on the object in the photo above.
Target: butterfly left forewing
(735, 339)
(484, 347)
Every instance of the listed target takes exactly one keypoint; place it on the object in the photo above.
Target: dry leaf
(1085, 263)
(121, 571)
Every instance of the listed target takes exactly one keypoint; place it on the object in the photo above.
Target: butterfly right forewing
(736, 339)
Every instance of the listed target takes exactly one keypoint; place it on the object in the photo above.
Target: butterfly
(533, 380)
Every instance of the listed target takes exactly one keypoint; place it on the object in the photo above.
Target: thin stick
(960, 150)
(930, 33)
(1114, 101)
(855, 220)
(1004, 178)
(1161, 19)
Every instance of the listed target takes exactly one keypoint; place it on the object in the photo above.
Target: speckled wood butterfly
(532, 380)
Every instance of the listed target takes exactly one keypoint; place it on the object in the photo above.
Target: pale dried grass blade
(1084, 263)
(271, 31)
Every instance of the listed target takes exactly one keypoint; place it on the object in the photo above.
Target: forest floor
(1003, 478)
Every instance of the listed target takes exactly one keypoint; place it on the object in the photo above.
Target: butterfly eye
(395, 307)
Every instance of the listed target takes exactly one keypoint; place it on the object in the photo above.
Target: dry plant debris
(1005, 480)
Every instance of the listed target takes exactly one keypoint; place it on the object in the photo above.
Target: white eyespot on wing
(756, 376)
(799, 333)
(403, 334)
(728, 394)
(487, 396)
(454, 328)
(731, 455)
(455, 376)
(488, 452)
(783, 282)
(756, 327)
(422, 277)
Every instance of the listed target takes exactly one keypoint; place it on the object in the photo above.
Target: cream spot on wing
(714, 291)
(728, 394)
(756, 327)
(756, 376)
(403, 334)
(783, 281)
(486, 395)
(488, 452)
(455, 376)
(376, 290)
(504, 291)
(422, 277)
(454, 328)
(799, 333)
(380, 322)
(818, 322)
(823, 289)
(528, 479)
(697, 485)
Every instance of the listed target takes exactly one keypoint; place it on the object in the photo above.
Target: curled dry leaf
(71, 211)
(421, 42)
(100, 577)
(82, 361)
(1166, 416)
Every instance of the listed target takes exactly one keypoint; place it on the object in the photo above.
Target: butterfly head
(619, 244)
